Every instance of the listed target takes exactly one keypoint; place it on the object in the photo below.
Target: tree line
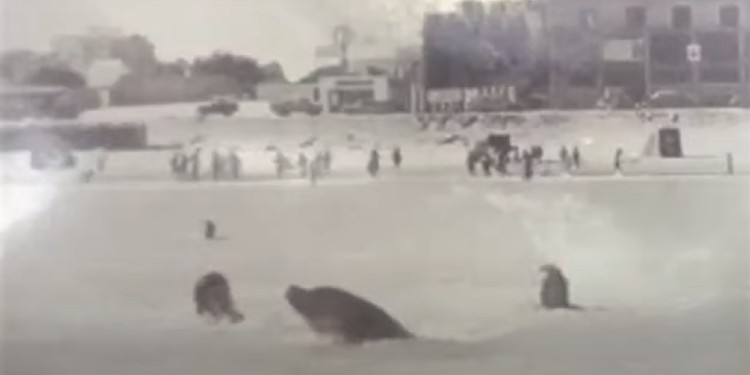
(148, 80)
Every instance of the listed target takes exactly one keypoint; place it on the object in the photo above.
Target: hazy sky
(284, 30)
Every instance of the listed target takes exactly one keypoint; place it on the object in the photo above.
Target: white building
(352, 91)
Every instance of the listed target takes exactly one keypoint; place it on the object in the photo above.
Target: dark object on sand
(554, 294)
(213, 296)
(348, 318)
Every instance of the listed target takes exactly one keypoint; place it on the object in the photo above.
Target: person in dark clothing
(182, 163)
(373, 166)
(174, 163)
(235, 164)
(316, 168)
(217, 165)
(502, 163)
(618, 160)
(471, 161)
(730, 163)
(564, 157)
(209, 230)
(195, 164)
(528, 165)
(486, 161)
(576, 157)
(327, 159)
(302, 164)
(397, 157)
(281, 163)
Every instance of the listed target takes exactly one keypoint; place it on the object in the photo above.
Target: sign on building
(694, 52)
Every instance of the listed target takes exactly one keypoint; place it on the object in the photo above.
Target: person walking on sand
(618, 160)
(576, 158)
(327, 160)
(217, 165)
(316, 168)
(486, 161)
(235, 164)
(564, 158)
(195, 164)
(528, 165)
(373, 165)
(280, 161)
(302, 163)
(397, 157)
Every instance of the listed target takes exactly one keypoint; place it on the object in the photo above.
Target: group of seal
(343, 316)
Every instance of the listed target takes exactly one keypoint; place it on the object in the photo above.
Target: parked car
(285, 109)
(224, 106)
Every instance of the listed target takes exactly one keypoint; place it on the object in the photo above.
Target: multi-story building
(696, 47)
(482, 47)
(574, 50)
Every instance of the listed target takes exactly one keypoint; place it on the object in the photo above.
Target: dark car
(222, 106)
(285, 109)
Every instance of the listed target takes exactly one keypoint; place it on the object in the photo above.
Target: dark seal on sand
(554, 294)
(348, 318)
(213, 297)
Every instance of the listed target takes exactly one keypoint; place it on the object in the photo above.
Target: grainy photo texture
(279, 187)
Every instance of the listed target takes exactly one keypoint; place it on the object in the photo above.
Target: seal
(554, 294)
(349, 319)
(213, 296)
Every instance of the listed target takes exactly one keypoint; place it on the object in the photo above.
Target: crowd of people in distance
(311, 168)
(498, 159)
(187, 165)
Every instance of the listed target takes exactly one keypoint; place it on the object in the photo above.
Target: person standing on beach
(302, 164)
(576, 158)
(618, 160)
(195, 164)
(280, 161)
(216, 165)
(235, 164)
(373, 165)
(528, 165)
(564, 158)
(327, 160)
(397, 158)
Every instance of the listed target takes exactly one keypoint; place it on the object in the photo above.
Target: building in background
(696, 47)
(376, 77)
(574, 52)
(484, 48)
